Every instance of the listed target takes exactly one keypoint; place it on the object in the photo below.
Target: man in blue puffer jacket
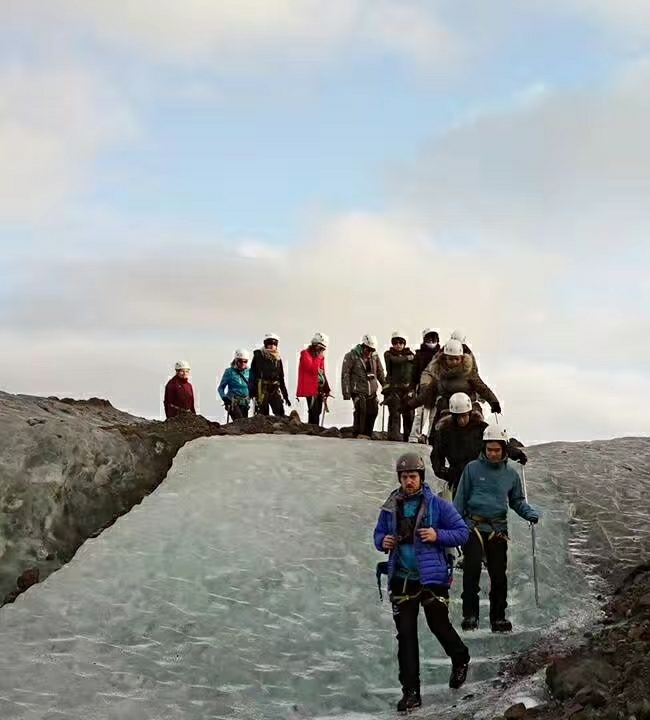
(233, 388)
(415, 526)
(488, 486)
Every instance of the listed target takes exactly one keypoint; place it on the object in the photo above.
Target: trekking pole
(532, 537)
(383, 415)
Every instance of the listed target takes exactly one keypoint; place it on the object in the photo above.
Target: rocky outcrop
(608, 676)
(70, 468)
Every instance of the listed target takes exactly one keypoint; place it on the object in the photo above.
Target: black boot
(469, 623)
(458, 675)
(501, 626)
(410, 701)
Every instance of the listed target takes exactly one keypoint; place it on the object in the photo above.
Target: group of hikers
(433, 394)
(416, 385)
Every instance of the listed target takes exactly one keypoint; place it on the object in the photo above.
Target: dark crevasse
(245, 586)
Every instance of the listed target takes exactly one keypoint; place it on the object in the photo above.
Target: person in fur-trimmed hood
(453, 371)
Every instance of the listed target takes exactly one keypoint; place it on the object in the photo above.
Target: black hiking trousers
(271, 399)
(237, 411)
(314, 408)
(436, 612)
(496, 556)
(366, 409)
(399, 410)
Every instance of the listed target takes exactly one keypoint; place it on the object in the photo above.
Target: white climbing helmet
(370, 341)
(397, 334)
(272, 336)
(460, 403)
(242, 355)
(320, 339)
(495, 433)
(182, 365)
(453, 348)
(428, 331)
(458, 335)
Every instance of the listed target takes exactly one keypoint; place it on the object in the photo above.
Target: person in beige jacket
(362, 374)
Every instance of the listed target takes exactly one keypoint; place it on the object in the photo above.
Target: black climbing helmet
(408, 462)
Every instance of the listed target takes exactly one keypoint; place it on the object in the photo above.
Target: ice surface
(245, 587)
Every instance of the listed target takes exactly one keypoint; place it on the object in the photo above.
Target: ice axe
(532, 537)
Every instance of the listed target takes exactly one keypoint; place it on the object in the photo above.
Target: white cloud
(53, 123)
(241, 30)
(631, 17)
(571, 169)
(115, 328)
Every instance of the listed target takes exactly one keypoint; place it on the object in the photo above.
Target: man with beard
(266, 379)
(400, 387)
(414, 527)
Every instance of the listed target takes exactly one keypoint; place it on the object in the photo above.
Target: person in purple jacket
(415, 527)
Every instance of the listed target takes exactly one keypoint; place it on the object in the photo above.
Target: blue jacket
(486, 490)
(236, 381)
(431, 557)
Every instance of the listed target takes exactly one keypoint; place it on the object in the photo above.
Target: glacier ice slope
(245, 587)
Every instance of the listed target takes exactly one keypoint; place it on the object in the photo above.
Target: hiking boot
(501, 626)
(458, 675)
(410, 701)
(469, 623)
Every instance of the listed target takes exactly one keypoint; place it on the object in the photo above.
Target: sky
(179, 179)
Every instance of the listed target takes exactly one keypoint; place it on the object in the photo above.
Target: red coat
(179, 395)
(308, 370)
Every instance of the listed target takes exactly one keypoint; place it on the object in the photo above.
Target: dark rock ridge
(70, 468)
(608, 676)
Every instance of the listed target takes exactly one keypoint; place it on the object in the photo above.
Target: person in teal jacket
(233, 388)
(488, 487)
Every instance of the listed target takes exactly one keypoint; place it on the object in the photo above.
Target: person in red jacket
(312, 382)
(179, 395)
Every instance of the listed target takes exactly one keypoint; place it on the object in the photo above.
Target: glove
(227, 404)
(287, 401)
(523, 459)
(355, 399)
(533, 520)
(496, 407)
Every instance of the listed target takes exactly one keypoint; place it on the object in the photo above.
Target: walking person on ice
(457, 439)
(488, 487)
(312, 382)
(414, 528)
(400, 386)
(233, 388)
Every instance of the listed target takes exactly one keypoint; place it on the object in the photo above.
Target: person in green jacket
(400, 387)
(488, 486)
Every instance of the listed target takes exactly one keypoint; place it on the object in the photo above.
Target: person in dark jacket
(266, 382)
(429, 348)
(400, 387)
(452, 371)
(362, 375)
(457, 439)
(179, 394)
(233, 388)
(414, 527)
(488, 487)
